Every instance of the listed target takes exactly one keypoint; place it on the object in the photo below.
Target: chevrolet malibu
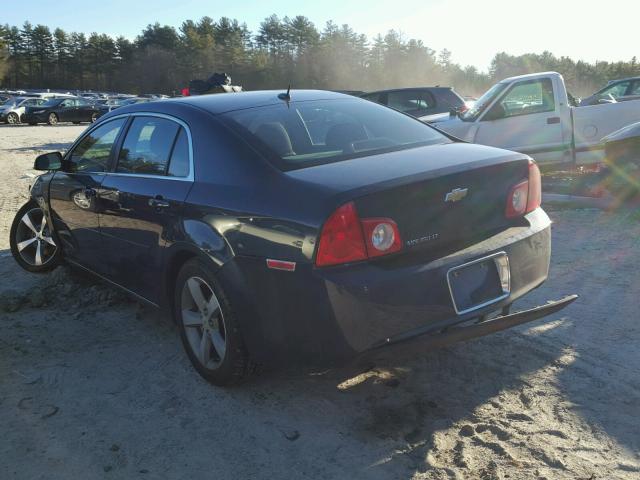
(305, 226)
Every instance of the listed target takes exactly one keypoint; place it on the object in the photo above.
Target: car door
(84, 110)
(525, 119)
(66, 110)
(74, 196)
(143, 197)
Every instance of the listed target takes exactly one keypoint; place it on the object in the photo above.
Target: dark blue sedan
(308, 227)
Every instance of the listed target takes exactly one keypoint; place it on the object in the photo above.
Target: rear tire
(52, 119)
(208, 327)
(94, 117)
(33, 242)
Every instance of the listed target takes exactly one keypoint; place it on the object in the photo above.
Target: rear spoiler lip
(447, 336)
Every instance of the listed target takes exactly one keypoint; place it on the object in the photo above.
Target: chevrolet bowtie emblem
(456, 195)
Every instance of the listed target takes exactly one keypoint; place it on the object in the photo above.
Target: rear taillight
(341, 240)
(345, 238)
(526, 196)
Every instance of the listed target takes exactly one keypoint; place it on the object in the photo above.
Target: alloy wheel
(53, 119)
(94, 117)
(203, 322)
(34, 240)
(12, 118)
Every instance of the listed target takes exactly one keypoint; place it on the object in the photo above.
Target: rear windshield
(303, 134)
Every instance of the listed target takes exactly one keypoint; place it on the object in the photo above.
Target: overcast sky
(474, 30)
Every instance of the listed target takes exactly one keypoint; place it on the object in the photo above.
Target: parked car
(532, 114)
(57, 110)
(13, 108)
(310, 226)
(112, 104)
(616, 91)
(154, 96)
(419, 102)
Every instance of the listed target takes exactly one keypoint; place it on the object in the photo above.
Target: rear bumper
(430, 339)
(333, 314)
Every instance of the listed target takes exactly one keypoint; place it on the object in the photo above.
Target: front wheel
(13, 119)
(209, 330)
(32, 240)
(52, 119)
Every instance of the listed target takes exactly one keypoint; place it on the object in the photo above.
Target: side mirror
(48, 161)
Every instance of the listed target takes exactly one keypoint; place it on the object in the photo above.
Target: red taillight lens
(186, 92)
(345, 238)
(341, 240)
(525, 196)
(382, 236)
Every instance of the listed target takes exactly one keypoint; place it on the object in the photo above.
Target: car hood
(441, 119)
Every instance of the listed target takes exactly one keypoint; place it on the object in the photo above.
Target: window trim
(118, 144)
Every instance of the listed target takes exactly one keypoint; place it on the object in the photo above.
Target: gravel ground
(93, 385)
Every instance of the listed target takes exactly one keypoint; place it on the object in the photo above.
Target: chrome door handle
(158, 202)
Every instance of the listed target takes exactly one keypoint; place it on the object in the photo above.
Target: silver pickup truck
(532, 114)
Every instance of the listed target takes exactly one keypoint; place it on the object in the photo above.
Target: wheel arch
(177, 255)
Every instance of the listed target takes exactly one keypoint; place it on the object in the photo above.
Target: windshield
(9, 102)
(480, 104)
(303, 134)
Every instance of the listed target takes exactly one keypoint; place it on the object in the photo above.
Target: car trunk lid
(440, 196)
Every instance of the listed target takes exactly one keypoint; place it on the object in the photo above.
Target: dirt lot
(93, 385)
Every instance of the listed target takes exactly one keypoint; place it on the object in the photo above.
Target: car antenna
(286, 96)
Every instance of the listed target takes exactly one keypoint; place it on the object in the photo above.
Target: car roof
(225, 102)
(530, 76)
(610, 82)
(407, 89)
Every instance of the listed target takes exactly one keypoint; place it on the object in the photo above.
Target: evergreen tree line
(283, 51)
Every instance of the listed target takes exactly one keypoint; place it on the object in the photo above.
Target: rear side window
(147, 146)
(373, 97)
(179, 164)
(410, 101)
(93, 152)
(449, 99)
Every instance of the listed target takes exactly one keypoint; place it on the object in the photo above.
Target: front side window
(302, 134)
(93, 152)
(147, 146)
(635, 89)
(525, 98)
(483, 102)
(68, 103)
